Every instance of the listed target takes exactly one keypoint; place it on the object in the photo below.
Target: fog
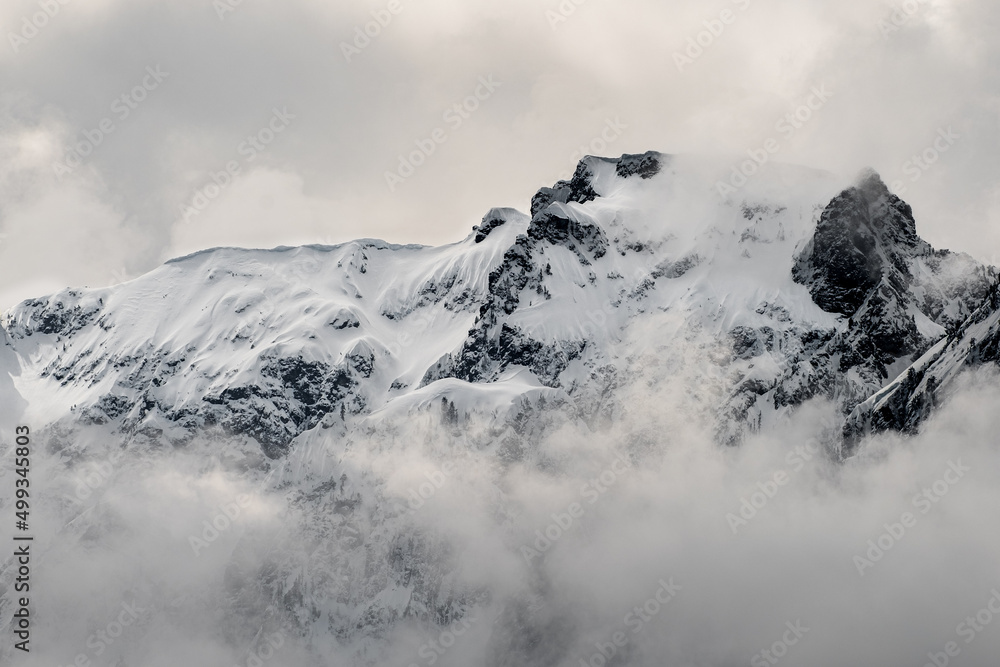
(420, 543)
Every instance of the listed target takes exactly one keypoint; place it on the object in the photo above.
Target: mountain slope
(808, 292)
(260, 343)
(909, 399)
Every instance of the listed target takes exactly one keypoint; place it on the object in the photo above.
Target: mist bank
(639, 541)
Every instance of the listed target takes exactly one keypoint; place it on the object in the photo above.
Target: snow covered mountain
(319, 371)
(906, 401)
(811, 293)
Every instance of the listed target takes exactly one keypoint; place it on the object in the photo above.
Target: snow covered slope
(260, 343)
(909, 399)
(11, 403)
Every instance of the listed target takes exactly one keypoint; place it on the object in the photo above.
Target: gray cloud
(123, 528)
(324, 179)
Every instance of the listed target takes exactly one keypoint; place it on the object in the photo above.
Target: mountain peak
(863, 233)
(496, 217)
(886, 209)
(581, 187)
(870, 182)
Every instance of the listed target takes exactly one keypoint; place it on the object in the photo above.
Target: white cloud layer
(698, 555)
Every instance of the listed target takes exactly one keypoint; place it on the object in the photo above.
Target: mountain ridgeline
(811, 289)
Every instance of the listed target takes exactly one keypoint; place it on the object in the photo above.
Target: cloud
(561, 82)
(641, 537)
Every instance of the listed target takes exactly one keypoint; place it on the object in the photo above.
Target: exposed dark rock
(495, 218)
(864, 234)
(587, 241)
(645, 165)
(56, 315)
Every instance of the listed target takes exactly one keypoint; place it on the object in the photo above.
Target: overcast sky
(96, 188)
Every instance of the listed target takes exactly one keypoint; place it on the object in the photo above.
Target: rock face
(865, 237)
(495, 344)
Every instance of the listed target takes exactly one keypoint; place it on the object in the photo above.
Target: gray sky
(560, 76)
